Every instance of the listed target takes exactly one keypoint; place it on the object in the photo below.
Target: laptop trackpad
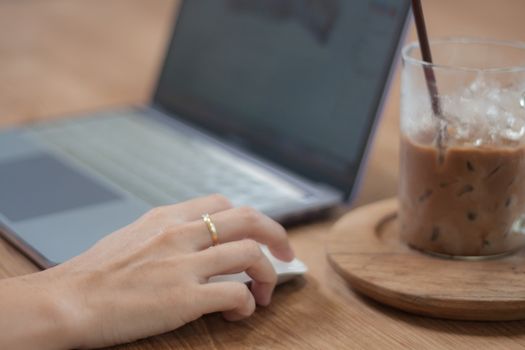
(40, 184)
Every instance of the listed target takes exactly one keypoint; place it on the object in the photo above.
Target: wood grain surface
(365, 247)
(64, 56)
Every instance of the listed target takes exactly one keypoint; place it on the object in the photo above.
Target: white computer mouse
(285, 270)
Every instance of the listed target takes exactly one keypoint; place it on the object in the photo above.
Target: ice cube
(484, 112)
(514, 128)
(493, 112)
(494, 95)
(476, 85)
(513, 135)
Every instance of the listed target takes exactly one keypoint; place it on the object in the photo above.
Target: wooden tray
(364, 247)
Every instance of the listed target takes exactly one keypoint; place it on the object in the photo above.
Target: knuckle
(178, 229)
(155, 213)
(172, 235)
(190, 296)
(221, 200)
(251, 249)
(281, 231)
(181, 262)
(250, 215)
(167, 214)
(271, 279)
(241, 293)
(163, 238)
(216, 255)
(158, 241)
(180, 232)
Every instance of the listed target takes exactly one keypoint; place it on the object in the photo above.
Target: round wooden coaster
(364, 247)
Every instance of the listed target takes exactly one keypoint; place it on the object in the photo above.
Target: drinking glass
(462, 162)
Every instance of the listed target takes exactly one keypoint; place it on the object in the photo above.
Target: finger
(234, 299)
(239, 256)
(189, 210)
(239, 223)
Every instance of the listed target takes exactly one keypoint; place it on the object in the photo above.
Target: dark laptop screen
(296, 81)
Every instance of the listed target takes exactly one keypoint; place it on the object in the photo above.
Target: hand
(151, 276)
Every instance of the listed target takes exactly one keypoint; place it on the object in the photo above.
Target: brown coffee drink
(463, 201)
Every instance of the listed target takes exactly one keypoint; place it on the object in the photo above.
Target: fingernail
(286, 254)
(266, 300)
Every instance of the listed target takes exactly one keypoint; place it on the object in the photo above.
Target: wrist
(57, 308)
(56, 318)
(63, 307)
(33, 315)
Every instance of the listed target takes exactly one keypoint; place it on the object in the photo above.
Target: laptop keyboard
(161, 165)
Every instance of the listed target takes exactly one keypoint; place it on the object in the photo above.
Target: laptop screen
(298, 82)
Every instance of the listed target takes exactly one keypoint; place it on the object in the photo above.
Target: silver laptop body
(66, 184)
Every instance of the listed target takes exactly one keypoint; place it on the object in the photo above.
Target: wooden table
(61, 56)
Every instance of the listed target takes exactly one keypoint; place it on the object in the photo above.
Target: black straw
(427, 57)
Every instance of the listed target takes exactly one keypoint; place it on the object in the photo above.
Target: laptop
(269, 102)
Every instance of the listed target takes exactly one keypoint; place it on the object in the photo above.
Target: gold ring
(211, 228)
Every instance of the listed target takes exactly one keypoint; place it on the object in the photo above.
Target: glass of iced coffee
(462, 172)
